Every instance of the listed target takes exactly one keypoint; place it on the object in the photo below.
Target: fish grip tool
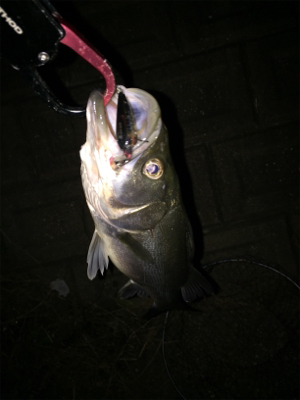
(31, 32)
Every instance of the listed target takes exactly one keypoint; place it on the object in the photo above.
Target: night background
(226, 76)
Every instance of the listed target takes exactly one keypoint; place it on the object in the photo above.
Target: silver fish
(134, 199)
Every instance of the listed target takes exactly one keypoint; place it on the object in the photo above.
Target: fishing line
(255, 263)
(207, 266)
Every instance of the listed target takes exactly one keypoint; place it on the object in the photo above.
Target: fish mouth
(126, 131)
(103, 122)
(121, 209)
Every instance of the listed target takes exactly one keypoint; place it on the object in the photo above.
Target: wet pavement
(226, 77)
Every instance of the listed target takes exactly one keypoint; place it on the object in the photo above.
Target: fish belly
(157, 259)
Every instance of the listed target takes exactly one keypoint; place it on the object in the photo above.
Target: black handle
(29, 33)
(30, 36)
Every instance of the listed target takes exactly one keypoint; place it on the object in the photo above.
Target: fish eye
(153, 168)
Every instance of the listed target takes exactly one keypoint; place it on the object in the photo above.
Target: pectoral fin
(195, 286)
(97, 257)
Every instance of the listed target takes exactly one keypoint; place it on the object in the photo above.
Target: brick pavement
(225, 75)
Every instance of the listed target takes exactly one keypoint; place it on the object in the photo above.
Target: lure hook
(125, 129)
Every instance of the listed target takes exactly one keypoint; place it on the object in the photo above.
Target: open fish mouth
(125, 132)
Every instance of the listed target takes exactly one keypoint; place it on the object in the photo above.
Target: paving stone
(141, 41)
(46, 233)
(14, 256)
(202, 26)
(73, 272)
(61, 271)
(212, 129)
(210, 91)
(49, 273)
(17, 159)
(201, 185)
(293, 229)
(274, 73)
(43, 194)
(61, 220)
(266, 240)
(55, 142)
(258, 174)
(89, 291)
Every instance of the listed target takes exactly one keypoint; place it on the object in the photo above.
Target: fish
(133, 194)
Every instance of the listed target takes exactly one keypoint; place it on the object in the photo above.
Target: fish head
(131, 192)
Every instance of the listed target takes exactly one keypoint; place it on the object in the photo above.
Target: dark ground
(226, 77)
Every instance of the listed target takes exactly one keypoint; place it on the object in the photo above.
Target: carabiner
(31, 32)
